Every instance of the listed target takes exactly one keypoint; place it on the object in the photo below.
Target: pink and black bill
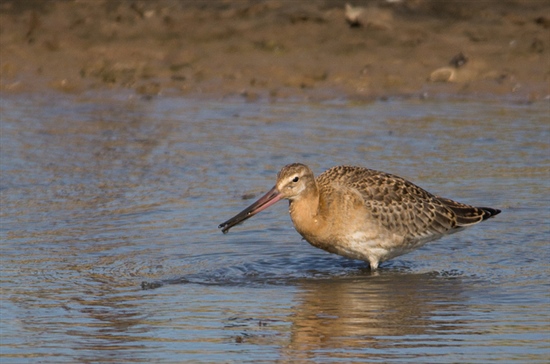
(263, 203)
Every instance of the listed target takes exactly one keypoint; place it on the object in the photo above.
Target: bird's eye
(295, 179)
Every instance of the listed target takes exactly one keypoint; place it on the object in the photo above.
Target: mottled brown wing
(397, 204)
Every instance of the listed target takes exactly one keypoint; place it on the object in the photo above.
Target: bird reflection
(370, 313)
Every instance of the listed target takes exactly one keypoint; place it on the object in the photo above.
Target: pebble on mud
(443, 74)
(458, 60)
(370, 17)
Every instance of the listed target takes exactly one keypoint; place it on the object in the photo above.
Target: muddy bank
(278, 49)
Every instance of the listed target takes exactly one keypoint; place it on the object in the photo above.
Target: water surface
(101, 194)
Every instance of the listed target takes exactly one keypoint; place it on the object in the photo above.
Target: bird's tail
(489, 212)
(468, 215)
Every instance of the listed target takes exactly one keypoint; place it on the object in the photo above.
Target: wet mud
(277, 49)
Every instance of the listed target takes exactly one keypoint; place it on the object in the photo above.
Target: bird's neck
(305, 212)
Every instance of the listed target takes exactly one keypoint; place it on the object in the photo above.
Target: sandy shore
(278, 49)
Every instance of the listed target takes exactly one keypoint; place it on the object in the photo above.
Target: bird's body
(363, 214)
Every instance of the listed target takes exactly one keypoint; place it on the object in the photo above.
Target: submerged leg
(374, 264)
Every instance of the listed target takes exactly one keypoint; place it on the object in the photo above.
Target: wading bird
(363, 214)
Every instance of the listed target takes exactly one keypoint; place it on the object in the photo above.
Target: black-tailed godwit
(363, 214)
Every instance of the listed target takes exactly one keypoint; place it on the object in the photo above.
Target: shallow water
(101, 194)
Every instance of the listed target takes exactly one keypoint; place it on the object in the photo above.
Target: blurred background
(317, 49)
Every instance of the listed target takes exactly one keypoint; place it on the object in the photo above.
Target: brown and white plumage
(363, 214)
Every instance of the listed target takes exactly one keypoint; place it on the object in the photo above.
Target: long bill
(263, 203)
